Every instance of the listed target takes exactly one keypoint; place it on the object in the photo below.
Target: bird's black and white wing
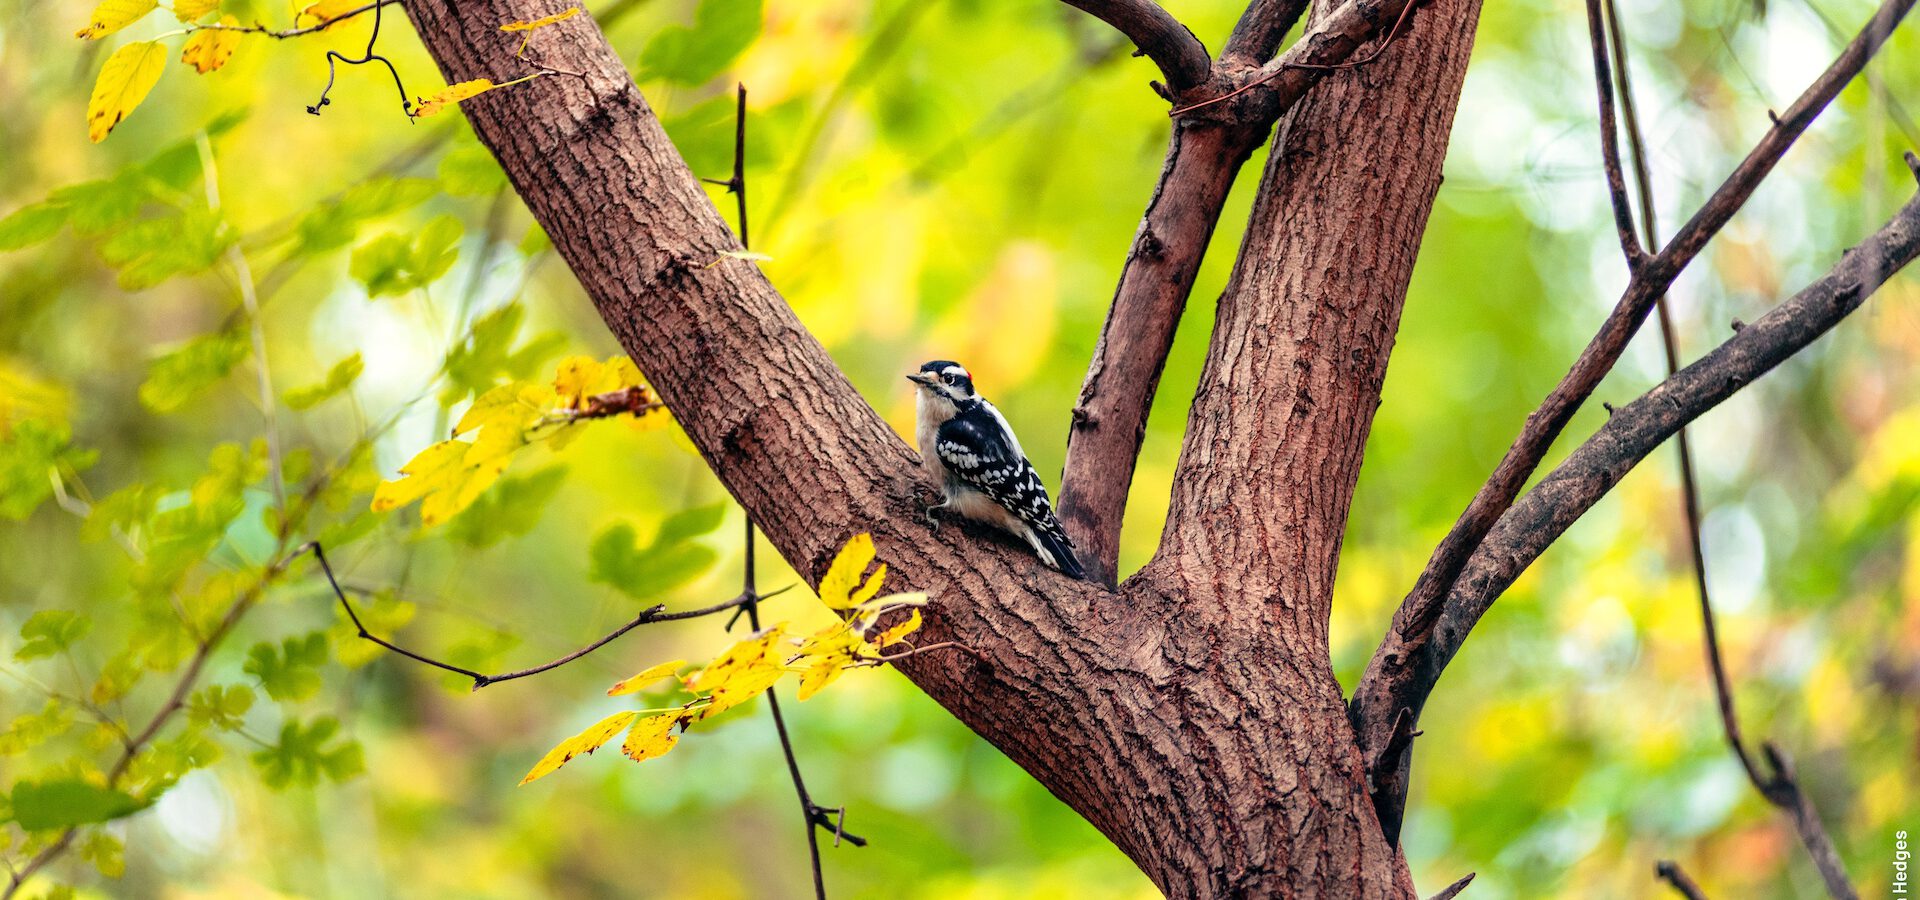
(981, 455)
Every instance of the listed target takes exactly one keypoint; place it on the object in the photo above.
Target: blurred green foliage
(951, 180)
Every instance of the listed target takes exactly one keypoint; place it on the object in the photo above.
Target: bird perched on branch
(969, 448)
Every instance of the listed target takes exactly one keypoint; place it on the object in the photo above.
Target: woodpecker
(972, 452)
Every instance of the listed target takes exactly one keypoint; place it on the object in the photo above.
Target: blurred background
(954, 180)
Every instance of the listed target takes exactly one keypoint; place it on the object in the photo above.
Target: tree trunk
(1191, 714)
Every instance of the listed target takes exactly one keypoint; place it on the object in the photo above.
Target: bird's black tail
(1057, 545)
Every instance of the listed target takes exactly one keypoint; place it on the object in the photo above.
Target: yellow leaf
(191, 11)
(899, 632)
(210, 48)
(507, 408)
(585, 742)
(741, 672)
(652, 736)
(446, 477)
(580, 377)
(453, 93)
(646, 677)
(541, 22)
(326, 11)
(126, 79)
(820, 673)
(843, 577)
(112, 15)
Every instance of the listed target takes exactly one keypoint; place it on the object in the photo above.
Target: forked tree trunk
(1191, 714)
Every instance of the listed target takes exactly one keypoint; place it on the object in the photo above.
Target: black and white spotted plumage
(969, 447)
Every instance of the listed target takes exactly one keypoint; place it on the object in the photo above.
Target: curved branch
(1171, 46)
(1393, 680)
(1629, 435)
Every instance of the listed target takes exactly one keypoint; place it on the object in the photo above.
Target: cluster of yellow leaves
(449, 476)
(131, 72)
(754, 665)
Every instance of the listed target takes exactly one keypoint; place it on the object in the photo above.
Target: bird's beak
(920, 378)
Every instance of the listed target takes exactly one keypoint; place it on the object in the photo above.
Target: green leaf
(29, 455)
(220, 706)
(487, 355)
(690, 523)
(645, 574)
(175, 378)
(32, 224)
(50, 632)
(694, 55)
(342, 376)
(66, 803)
(305, 754)
(151, 251)
(509, 509)
(333, 225)
(105, 852)
(470, 170)
(291, 672)
(383, 614)
(33, 729)
(97, 207)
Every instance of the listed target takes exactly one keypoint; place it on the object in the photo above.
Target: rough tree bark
(1191, 713)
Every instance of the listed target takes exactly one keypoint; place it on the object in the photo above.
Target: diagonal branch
(1160, 36)
(1260, 29)
(1396, 677)
(1633, 432)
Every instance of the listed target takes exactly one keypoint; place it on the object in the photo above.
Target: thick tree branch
(1257, 36)
(1180, 55)
(1634, 431)
(1204, 157)
(1391, 681)
(1098, 694)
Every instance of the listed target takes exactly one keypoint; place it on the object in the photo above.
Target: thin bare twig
(1453, 890)
(1780, 787)
(1671, 873)
(650, 615)
(1610, 141)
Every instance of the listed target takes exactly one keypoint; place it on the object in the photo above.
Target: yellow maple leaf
(580, 377)
(899, 632)
(585, 742)
(453, 93)
(191, 11)
(126, 79)
(652, 736)
(841, 587)
(741, 672)
(446, 478)
(112, 15)
(541, 22)
(820, 672)
(646, 677)
(210, 48)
